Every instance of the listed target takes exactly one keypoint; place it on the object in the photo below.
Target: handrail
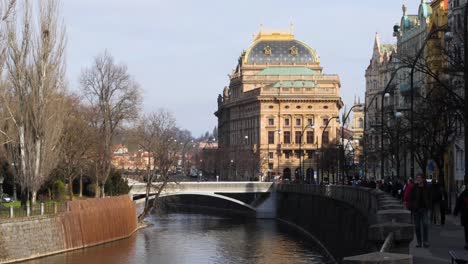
(387, 245)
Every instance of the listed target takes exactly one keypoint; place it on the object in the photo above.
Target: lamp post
(323, 131)
(382, 155)
(383, 94)
(279, 150)
(342, 141)
(301, 158)
(413, 67)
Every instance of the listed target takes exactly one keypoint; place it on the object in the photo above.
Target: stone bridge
(230, 191)
(365, 223)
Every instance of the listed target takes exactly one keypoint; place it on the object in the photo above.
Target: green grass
(15, 204)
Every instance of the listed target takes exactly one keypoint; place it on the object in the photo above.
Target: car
(6, 198)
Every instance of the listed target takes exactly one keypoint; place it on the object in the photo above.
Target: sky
(181, 51)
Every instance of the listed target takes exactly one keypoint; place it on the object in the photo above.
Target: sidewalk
(441, 240)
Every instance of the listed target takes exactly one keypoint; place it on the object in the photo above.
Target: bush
(58, 190)
(90, 189)
(115, 184)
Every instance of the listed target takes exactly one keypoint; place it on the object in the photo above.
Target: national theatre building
(278, 111)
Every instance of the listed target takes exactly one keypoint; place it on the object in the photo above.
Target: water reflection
(192, 238)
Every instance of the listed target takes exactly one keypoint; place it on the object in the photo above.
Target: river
(196, 238)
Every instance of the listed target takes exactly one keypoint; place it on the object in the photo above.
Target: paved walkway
(441, 240)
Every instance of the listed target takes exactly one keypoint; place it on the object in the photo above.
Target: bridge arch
(214, 195)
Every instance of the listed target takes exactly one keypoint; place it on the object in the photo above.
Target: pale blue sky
(181, 51)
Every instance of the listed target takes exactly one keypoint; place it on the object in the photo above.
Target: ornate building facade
(379, 72)
(278, 110)
(455, 25)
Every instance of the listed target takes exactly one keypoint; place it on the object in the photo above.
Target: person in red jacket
(406, 194)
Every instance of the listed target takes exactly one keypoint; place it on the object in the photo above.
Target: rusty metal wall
(95, 221)
(86, 223)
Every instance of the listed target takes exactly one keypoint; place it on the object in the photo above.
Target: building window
(298, 121)
(298, 137)
(325, 121)
(361, 123)
(286, 122)
(271, 122)
(310, 121)
(287, 154)
(325, 139)
(271, 137)
(287, 137)
(310, 137)
(270, 155)
(270, 166)
(310, 154)
(297, 154)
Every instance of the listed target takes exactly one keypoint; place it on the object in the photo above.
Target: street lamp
(384, 94)
(382, 155)
(413, 67)
(321, 144)
(301, 157)
(279, 150)
(342, 141)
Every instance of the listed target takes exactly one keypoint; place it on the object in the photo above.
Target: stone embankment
(86, 223)
(367, 224)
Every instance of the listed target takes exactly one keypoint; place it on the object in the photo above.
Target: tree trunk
(33, 197)
(24, 197)
(103, 194)
(81, 183)
(96, 190)
(70, 187)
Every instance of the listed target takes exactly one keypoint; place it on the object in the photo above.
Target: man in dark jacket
(462, 207)
(420, 201)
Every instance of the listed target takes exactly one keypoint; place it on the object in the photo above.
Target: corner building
(272, 118)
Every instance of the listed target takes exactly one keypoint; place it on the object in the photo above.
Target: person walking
(406, 193)
(420, 203)
(461, 207)
(436, 193)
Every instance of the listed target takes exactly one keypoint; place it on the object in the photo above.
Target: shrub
(115, 184)
(58, 190)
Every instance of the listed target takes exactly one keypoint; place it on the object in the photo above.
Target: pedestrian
(406, 194)
(444, 208)
(461, 207)
(436, 193)
(420, 202)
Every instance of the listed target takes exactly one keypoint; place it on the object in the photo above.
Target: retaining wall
(349, 221)
(87, 223)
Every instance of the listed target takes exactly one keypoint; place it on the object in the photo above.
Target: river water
(195, 238)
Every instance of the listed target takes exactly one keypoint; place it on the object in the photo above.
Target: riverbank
(87, 223)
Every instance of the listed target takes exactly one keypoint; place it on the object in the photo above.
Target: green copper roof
(287, 71)
(294, 84)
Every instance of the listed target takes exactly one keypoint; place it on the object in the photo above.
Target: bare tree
(7, 8)
(157, 134)
(114, 94)
(77, 140)
(32, 97)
